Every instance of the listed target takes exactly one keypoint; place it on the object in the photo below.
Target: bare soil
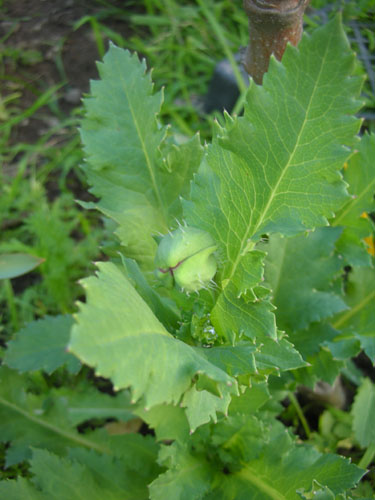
(64, 55)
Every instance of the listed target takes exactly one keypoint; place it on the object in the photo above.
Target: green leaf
(84, 403)
(128, 476)
(20, 488)
(360, 175)
(323, 366)
(181, 162)
(122, 140)
(117, 333)
(164, 309)
(282, 469)
(168, 421)
(136, 451)
(234, 360)
(325, 349)
(278, 355)
(189, 479)
(43, 418)
(359, 320)
(276, 169)
(319, 493)
(309, 341)
(202, 406)
(300, 271)
(41, 345)
(363, 411)
(61, 478)
(250, 400)
(239, 439)
(13, 265)
(245, 457)
(86, 474)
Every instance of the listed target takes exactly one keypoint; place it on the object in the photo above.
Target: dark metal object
(223, 91)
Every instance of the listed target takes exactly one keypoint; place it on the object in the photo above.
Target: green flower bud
(187, 255)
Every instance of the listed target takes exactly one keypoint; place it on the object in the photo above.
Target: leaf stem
(300, 414)
(367, 457)
(263, 486)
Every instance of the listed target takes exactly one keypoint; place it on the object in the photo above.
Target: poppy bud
(186, 254)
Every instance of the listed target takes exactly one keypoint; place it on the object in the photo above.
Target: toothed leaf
(41, 345)
(122, 140)
(276, 169)
(118, 334)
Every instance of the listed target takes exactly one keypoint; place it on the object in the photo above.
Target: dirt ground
(63, 54)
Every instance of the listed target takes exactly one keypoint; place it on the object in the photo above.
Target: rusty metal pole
(272, 24)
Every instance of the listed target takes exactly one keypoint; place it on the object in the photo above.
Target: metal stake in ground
(272, 24)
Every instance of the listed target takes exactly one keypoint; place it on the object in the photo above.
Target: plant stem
(300, 414)
(367, 457)
(272, 24)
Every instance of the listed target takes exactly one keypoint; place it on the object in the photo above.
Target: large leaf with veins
(276, 169)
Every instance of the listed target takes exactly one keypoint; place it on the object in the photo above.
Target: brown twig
(272, 24)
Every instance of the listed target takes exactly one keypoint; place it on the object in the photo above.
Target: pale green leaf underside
(12, 265)
(277, 168)
(118, 334)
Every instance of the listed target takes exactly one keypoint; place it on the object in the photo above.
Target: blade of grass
(96, 29)
(224, 44)
(40, 102)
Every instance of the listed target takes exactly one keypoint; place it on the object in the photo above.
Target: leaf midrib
(254, 477)
(149, 163)
(273, 193)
